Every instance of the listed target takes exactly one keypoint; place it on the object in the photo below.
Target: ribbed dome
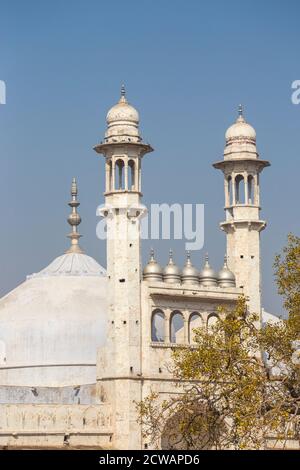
(226, 278)
(122, 122)
(190, 274)
(171, 272)
(71, 264)
(153, 271)
(208, 277)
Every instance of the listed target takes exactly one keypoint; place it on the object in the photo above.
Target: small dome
(122, 111)
(240, 130)
(240, 140)
(208, 277)
(171, 272)
(226, 278)
(122, 122)
(153, 271)
(190, 274)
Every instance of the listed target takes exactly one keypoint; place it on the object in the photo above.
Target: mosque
(80, 343)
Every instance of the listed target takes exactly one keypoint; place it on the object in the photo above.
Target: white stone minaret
(241, 168)
(120, 369)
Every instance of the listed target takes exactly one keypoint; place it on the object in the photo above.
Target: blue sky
(186, 66)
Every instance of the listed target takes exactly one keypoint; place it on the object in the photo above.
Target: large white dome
(52, 324)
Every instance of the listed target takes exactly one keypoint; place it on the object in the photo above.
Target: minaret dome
(240, 137)
(122, 122)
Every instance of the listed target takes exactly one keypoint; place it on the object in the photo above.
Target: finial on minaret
(188, 257)
(74, 220)
(241, 114)
(206, 258)
(170, 256)
(152, 255)
(123, 94)
(74, 190)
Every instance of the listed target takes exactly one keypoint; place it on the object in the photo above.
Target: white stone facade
(78, 345)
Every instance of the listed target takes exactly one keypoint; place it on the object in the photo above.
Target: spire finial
(123, 95)
(188, 257)
(74, 190)
(225, 261)
(206, 259)
(241, 114)
(74, 220)
(170, 256)
(152, 254)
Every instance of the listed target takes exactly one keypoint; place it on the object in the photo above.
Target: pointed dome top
(226, 278)
(190, 274)
(208, 277)
(240, 130)
(171, 272)
(122, 121)
(152, 271)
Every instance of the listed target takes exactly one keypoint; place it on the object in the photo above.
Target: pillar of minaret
(241, 167)
(74, 220)
(123, 150)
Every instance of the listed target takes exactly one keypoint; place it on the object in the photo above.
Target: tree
(237, 385)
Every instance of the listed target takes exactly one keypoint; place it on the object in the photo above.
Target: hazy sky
(186, 66)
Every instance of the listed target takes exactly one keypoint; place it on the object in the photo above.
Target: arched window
(212, 319)
(158, 326)
(240, 189)
(177, 327)
(120, 184)
(131, 175)
(229, 190)
(195, 321)
(250, 189)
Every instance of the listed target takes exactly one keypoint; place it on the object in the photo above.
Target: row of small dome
(189, 275)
